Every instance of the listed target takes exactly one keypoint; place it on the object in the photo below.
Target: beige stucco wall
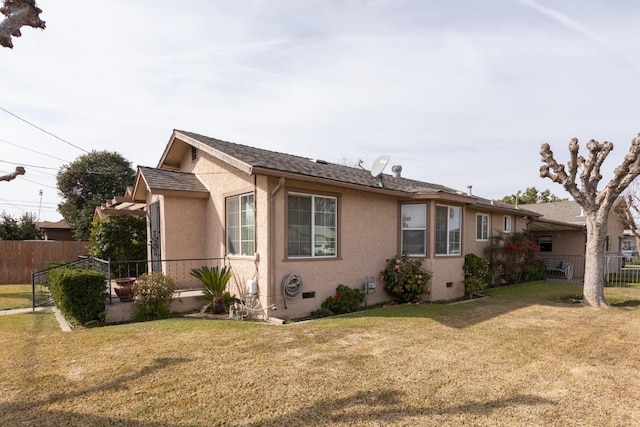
(222, 181)
(565, 242)
(182, 220)
(368, 233)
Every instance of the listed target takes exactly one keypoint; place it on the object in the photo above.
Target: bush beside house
(78, 294)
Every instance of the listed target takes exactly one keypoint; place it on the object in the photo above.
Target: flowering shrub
(405, 279)
(511, 259)
(346, 300)
(152, 293)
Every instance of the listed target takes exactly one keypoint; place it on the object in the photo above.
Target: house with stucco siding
(562, 229)
(276, 216)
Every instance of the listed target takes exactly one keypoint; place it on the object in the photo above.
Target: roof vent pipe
(469, 188)
(397, 170)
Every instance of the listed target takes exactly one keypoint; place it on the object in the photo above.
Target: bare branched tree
(18, 14)
(629, 211)
(597, 204)
(19, 171)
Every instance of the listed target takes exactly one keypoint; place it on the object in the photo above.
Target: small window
(448, 230)
(545, 244)
(482, 227)
(312, 226)
(507, 224)
(414, 229)
(240, 225)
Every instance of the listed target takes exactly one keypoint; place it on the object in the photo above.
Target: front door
(154, 229)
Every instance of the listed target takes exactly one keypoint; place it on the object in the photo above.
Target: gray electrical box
(369, 287)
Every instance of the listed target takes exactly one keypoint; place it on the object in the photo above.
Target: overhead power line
(31, 166)
(34, 151)
(43, 130)
(35, 182)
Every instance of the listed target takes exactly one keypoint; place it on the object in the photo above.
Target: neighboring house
(562, 229)
(629, 245)
(59, 230)
(274, 214)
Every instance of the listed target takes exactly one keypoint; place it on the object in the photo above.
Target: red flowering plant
(405, 279)
(512, 259)
(346, 300)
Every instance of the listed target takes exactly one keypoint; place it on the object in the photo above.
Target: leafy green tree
(24, 228)
(119, 238)
(532, 195)
(88, 181)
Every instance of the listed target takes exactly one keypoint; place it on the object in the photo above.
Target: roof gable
(160, 181)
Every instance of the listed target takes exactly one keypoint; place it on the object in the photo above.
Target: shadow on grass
(33, 412)
(386, 407)
(626, 304)
(500, 301)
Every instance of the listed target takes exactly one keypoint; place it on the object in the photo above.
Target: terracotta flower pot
(124, 288)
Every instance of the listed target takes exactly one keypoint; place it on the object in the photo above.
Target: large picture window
(482, 227)
(312, 226)
(448, 230)
(240, 225)
(414, 229)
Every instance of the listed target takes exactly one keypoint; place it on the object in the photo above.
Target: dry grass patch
(520, 357)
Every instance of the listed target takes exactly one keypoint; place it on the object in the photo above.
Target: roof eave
(307, 178)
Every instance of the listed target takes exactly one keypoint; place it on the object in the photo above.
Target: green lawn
(16, 296)
(525, 356)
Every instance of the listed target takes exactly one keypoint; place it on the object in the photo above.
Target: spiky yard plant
(214, 282)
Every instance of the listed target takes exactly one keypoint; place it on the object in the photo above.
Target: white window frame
(325, 251)
(449, 243)
(245, 233)
(405, 227)
(482, 227)
(506, 224)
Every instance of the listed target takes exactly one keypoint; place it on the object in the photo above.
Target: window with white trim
(414, 229)
(240, 225)
(482, 227)
(448, 230)
(312, 226)
(507, 224)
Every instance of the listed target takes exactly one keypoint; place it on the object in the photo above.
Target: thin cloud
(579, 28)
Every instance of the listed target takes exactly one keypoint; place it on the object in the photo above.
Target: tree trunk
(594, 268)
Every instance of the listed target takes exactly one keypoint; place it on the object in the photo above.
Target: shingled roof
(258, 158)
(261, 161)
(567, 211)
(160, 180)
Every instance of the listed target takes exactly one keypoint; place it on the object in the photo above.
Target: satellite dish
(379, 164)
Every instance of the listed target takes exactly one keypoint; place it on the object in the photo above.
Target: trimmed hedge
(78, 294)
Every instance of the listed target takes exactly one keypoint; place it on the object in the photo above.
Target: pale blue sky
(457, 92)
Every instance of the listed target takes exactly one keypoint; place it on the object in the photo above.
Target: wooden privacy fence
(19, 258)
